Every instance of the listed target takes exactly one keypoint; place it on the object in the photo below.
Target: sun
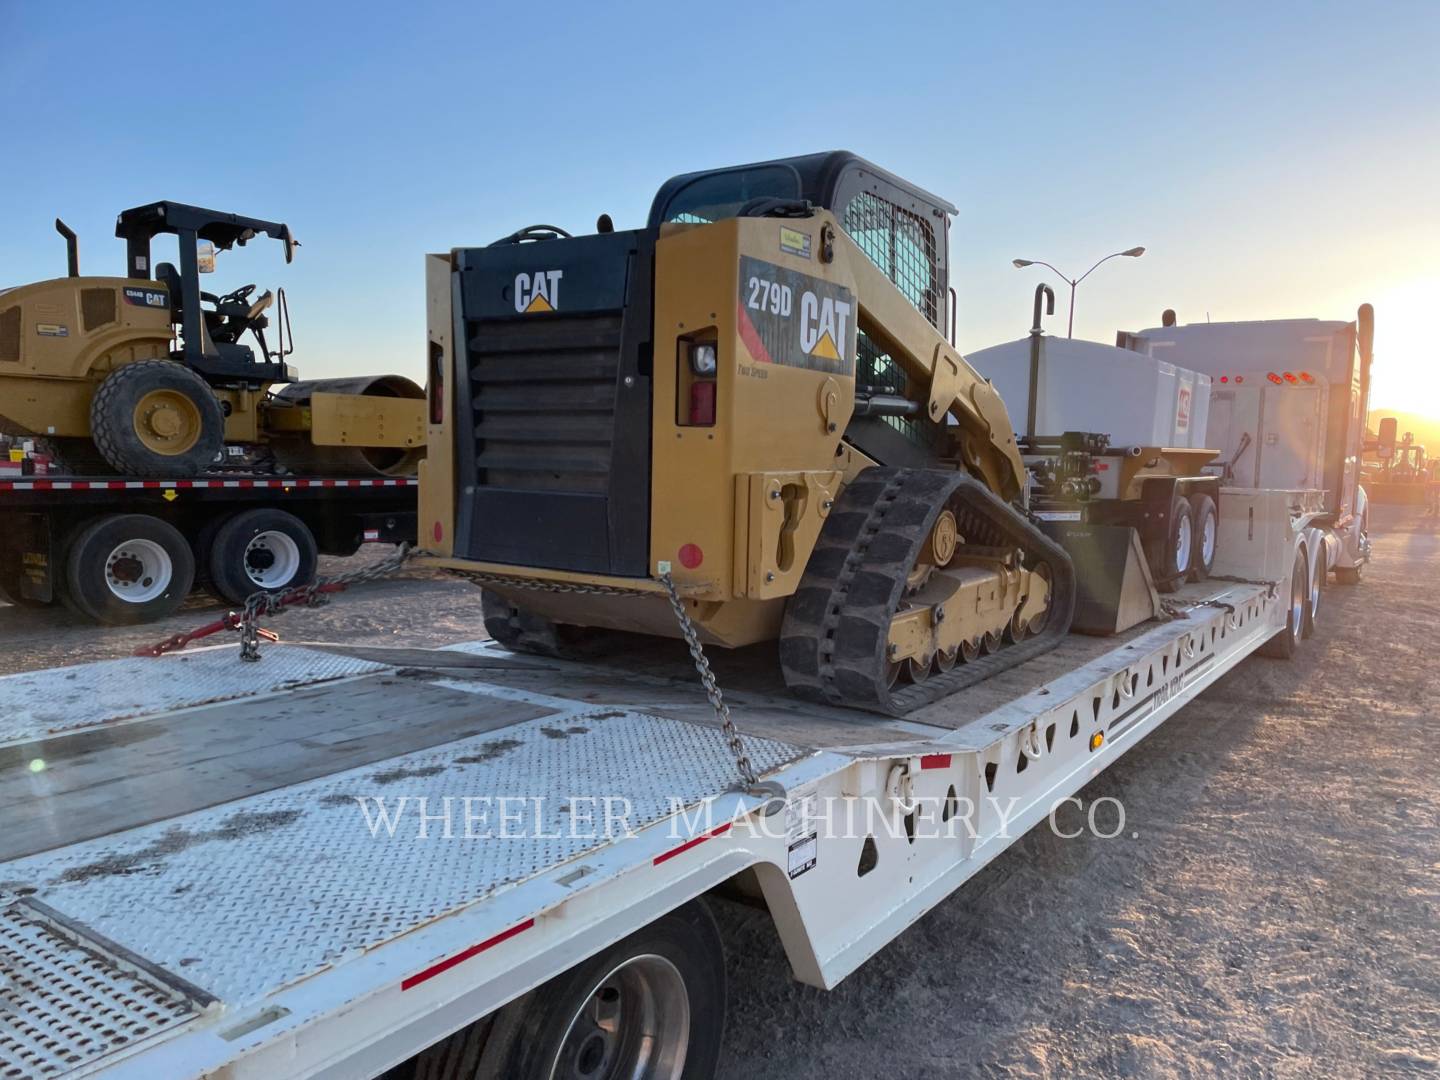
(1407, 349)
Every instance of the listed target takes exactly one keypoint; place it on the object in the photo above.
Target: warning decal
(790, 318)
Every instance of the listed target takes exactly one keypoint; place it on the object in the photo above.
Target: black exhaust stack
(72, 246)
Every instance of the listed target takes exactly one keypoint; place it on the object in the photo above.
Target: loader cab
(216, 331)
(903, 228)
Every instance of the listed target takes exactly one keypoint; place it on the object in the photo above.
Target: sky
(1276, 160)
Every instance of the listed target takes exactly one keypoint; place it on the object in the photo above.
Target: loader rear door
(552, 403)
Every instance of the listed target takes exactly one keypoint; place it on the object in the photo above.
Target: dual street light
(1020, 264)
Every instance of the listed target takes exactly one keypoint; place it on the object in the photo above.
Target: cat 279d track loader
(754, 395)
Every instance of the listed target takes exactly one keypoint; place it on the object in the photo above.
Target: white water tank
(1085, 386)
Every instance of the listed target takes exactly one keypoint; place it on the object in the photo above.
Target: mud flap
(1115, 590)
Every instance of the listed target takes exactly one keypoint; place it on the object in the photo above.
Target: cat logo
(539, 291)
(823, 324)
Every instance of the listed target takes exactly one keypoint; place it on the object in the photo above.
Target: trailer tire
(1205, 521)
(157, 418)
(1282, 646)
(261, 550)
(1176, 554)
(128, 568)
(663, 988)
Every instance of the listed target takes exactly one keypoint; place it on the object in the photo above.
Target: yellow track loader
(148, 375)
(754, 396)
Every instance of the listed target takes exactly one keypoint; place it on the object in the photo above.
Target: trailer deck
(189, 879)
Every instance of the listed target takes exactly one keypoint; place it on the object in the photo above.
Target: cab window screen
(712, 198)
(901, 244)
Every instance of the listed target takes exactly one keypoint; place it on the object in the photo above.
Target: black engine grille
(544, 403)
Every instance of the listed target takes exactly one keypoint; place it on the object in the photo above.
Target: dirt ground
(1272, 908)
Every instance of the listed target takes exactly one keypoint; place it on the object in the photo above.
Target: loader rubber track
(837, 624)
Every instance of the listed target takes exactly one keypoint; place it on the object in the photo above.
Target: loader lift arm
(987, 437)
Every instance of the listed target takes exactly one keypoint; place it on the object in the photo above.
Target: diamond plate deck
(257, 894)
(63, 1006)
(39, 704)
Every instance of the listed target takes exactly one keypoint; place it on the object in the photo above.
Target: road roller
(150, 375)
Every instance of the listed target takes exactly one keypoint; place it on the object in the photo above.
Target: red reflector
(1239, 378)
(437, 532)
(461, 957)
(702, 404)
(1224, 378)
(690, 556)
(935, 761)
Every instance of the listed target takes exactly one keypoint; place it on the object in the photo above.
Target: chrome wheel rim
(138, 571)
(1297, 600)
(272, 559)
(633, 1025)
(1207, 540)
(1184, 541)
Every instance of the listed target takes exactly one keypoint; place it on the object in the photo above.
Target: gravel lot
(1271, 909)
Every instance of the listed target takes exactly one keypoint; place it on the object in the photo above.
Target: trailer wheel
(1177, 554)
(650, 1007)
(1282, 646)
(156, 418)
(128, 568)
(1312, 603)
(262, 550)
(1205, 520)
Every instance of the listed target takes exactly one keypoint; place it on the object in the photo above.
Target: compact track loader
(149, 375)
(752, 395)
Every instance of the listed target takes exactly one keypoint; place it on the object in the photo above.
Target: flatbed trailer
(94, 542)
(193, 883)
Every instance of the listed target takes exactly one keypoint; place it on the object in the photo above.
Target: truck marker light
(438, 532)
(690, 556)
(1290, 378)
(1275, 378)
(1224, 378)
(461, 957)
(1239, 378)
(692, 842)
(1305, 376)
(1097, 740)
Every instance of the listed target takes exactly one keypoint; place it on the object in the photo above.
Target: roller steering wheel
(237, 297)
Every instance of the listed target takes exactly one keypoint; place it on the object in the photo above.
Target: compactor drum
(752, 398)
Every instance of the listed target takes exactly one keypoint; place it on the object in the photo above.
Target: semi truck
(1288, 403)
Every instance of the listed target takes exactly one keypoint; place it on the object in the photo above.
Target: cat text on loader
(149, 375)
(754, 394)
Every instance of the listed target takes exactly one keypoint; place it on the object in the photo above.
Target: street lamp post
(1020, 264)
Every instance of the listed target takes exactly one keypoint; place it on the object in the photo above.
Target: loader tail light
(435, 383)
(702, 403)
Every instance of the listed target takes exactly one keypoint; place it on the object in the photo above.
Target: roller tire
(112, 420)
